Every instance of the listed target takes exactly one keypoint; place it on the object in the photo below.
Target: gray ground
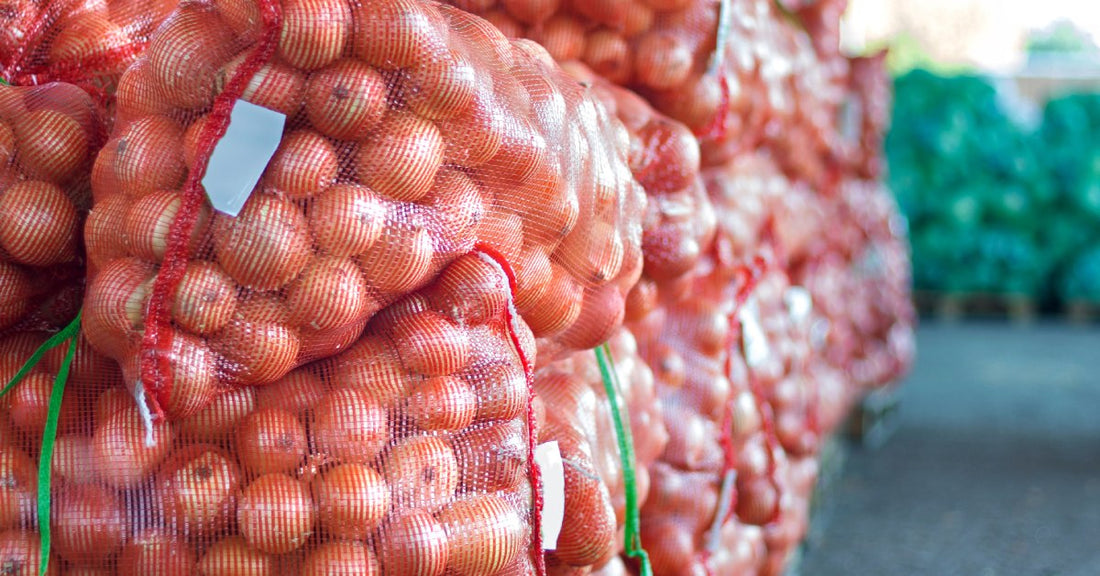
(994, 471)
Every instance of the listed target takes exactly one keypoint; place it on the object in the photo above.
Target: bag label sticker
(799, 303)
(548, 459)
(241, 156)
(753, 339)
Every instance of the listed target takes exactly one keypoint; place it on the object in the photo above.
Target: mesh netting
(48, 136)
(408, 453)
(89, 43)
(740, 76)
(415, 131)
(579, 417)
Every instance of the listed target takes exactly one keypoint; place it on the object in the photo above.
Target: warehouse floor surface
(993, 471)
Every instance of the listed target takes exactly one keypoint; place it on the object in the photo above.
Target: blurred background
(987, 460)
(994, 154)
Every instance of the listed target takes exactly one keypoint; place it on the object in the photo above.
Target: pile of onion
(86, 42)
(414, 132)
(48, 135)
(579, 419)
(406, 454)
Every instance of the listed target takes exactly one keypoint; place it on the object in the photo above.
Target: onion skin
(276, 514)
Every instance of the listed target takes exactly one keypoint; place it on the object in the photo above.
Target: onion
(346, 100)
(72, 460)
(557, 308)
(401, 159)
(258, 345)
(218, 419)
(115, 306)
(197, 489)
(422, 472)
(492, 456)
(232, 556)
(346, 219)
(120, 451)
(373, 368)
(348, 427)
(148, 156)
(16, 289)
(501, 390)
(584, 543)
(185, 57)
(275, 86)
(266, 245)
(314, 32)
(304, 164)
(401, 259)
(102, 241)
(86, 37)
(531, 12)
(484, 533)
(21, 553)
(205, 299)
(471, 291)
(608, 54)
(394, 34)
(442, 403)
(155, 552)
(275, 514)
(88, 524)
(330, 292)
(344, 558)
(270, 440)
(150, 219)
(757, 499)
(134, 99)
(563, 37)
(50, 145)
(297, 392)
(40, 223)
(441, 89)
(413, 544)
(430, 344)
(352, 500)
(664, 61)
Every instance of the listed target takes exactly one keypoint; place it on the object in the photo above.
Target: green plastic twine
(49, 435)
(632, 538)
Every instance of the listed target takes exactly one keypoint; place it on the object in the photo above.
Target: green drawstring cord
(633, 539)
(49, 435)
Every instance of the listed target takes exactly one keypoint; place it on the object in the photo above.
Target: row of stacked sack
(529, 287)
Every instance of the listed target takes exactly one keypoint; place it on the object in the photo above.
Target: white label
(725, 499)
(548, 459)
(240, 157)
(753, 340)
(799, 303)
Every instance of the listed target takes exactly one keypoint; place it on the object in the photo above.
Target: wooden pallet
(875, 419)
(946, 307)
(1081, 312)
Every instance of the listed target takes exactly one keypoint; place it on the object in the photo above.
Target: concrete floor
(994, 471)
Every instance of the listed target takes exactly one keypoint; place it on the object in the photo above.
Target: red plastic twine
(749, 276)
(156, 343)
(534, 474)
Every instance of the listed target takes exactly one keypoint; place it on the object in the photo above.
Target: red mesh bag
(679, 224)
(580, 419)
(48, 136)
(861, 283)
(408, 453)
(737, 78)
(89, 43)
(414, 131)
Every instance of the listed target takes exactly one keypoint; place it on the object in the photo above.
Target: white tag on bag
(240, 157)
